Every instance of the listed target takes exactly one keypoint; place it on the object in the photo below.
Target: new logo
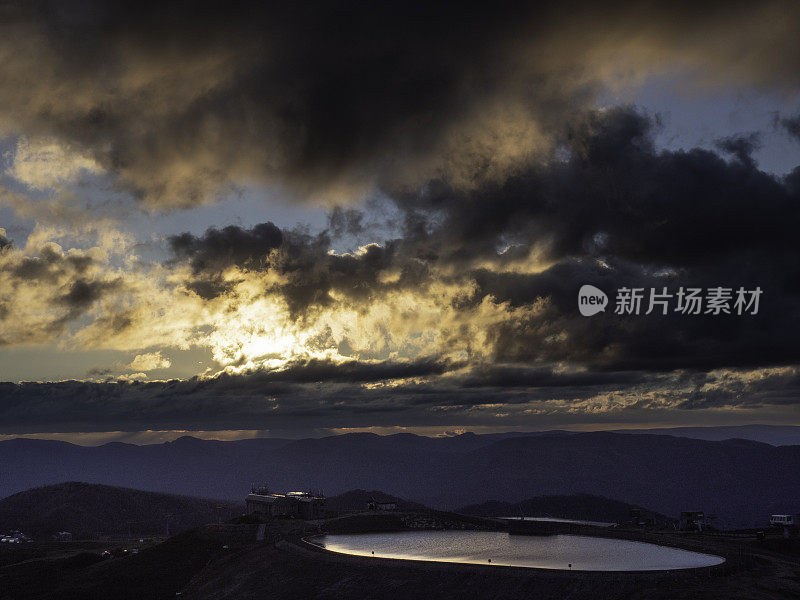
(591, 300)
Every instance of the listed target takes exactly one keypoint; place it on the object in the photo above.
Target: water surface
(544, 552)
(557, 520)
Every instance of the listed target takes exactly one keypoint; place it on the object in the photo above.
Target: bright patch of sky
(693, 117)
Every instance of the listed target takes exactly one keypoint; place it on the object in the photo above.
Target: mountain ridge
(742, 481)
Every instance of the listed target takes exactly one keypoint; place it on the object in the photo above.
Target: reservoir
(584, 553)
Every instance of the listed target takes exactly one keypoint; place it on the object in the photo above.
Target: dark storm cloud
(618, 196)
(220, 92)
(41, 294)
(515, 376)
(345, 222)
(182, 101)
(291, 400)
(792, 126)
(741, 146)
(308, 272)
(615, 212)
(211, 254)
(316, 370)
(81, 294)
(219, 249)
(619, 213)
(781, 388)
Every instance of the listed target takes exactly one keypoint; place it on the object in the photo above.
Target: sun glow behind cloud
(258, 333)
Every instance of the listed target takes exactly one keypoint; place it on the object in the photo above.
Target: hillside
(358, 499)
(585, 507)
(740, 481)
(89, 510)
(156, 573)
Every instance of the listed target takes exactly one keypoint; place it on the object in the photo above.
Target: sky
(252, 219)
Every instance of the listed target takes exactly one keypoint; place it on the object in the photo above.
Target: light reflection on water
(554, 520)
(545, 552)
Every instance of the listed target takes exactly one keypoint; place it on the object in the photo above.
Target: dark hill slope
(88, 510)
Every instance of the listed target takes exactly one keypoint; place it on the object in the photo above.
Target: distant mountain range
(776, 435)
(740, 481)
(88, 510)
